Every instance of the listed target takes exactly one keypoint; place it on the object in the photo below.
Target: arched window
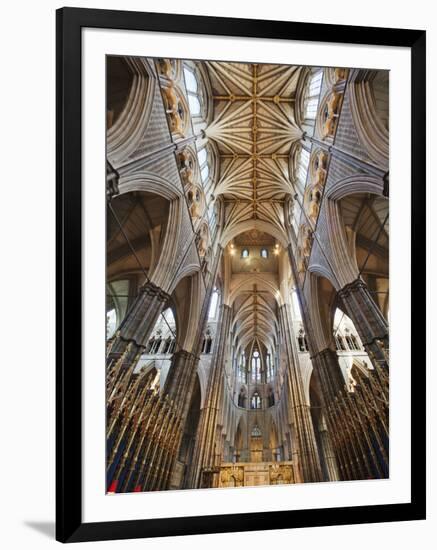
(339, 342)
(212, 215)
(355, 343)
(242, 368)
(172, 346)
(256, 367)
(245, 253)
(117, 297)
(167, 345)
(345, 333)
(302, 168)
(204, 173)
(270, 370)
(164, 334)
(255, 402)
(264, 253)
(192, 87)
(352, 342)
(111, 322)
(156, 346)
(149, 346)
(202, 157)
(312, 95)
(214, 304)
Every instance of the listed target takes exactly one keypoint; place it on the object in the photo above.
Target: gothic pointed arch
(131, 91)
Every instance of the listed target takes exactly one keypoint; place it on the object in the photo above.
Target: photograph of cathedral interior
(247, 274)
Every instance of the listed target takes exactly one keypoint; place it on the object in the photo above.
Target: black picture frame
(69, 525)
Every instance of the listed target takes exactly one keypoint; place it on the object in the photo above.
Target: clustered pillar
(134, 332)
(357, 417)
(205, 447)
(145, 425)
(308, 457)
(368, 320)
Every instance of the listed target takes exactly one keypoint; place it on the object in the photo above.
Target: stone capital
(352, 287)
(153, 290)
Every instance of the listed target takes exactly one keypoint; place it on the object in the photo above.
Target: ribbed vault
(254, 128)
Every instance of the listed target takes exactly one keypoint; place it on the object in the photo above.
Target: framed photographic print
(240, 238)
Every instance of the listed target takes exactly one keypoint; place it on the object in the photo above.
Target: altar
(250, 474)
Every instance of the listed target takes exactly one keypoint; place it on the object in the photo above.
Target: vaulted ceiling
(254, 128)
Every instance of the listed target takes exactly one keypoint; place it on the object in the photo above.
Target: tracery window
(256, 367)
(245, 253)
(214, 304)
(313, 92)
(111, 322)
(302, 167)
(345, 333)
(212, 215)
(302, 164)
(242, 368)
(167, 345)
(352, 342)
(202, 157)
(264, 253)
(164, 334)
(355, 343)
(156, 346)
(192, 87)
(172, 346)
(339, 342)
(117, 297)
(269, 369)
(149, 346)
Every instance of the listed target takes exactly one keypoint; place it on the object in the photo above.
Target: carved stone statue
(330, 114)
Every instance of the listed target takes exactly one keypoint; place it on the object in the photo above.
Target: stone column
(180, 382)
(131, 339)
(368, 320)
(328, 454)
(306, 319)
(325, 363)
(332, 383)
(176, 395)
(349, 431)
(140, 320)
(204, 450)
(327, 368)
(308, 456)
